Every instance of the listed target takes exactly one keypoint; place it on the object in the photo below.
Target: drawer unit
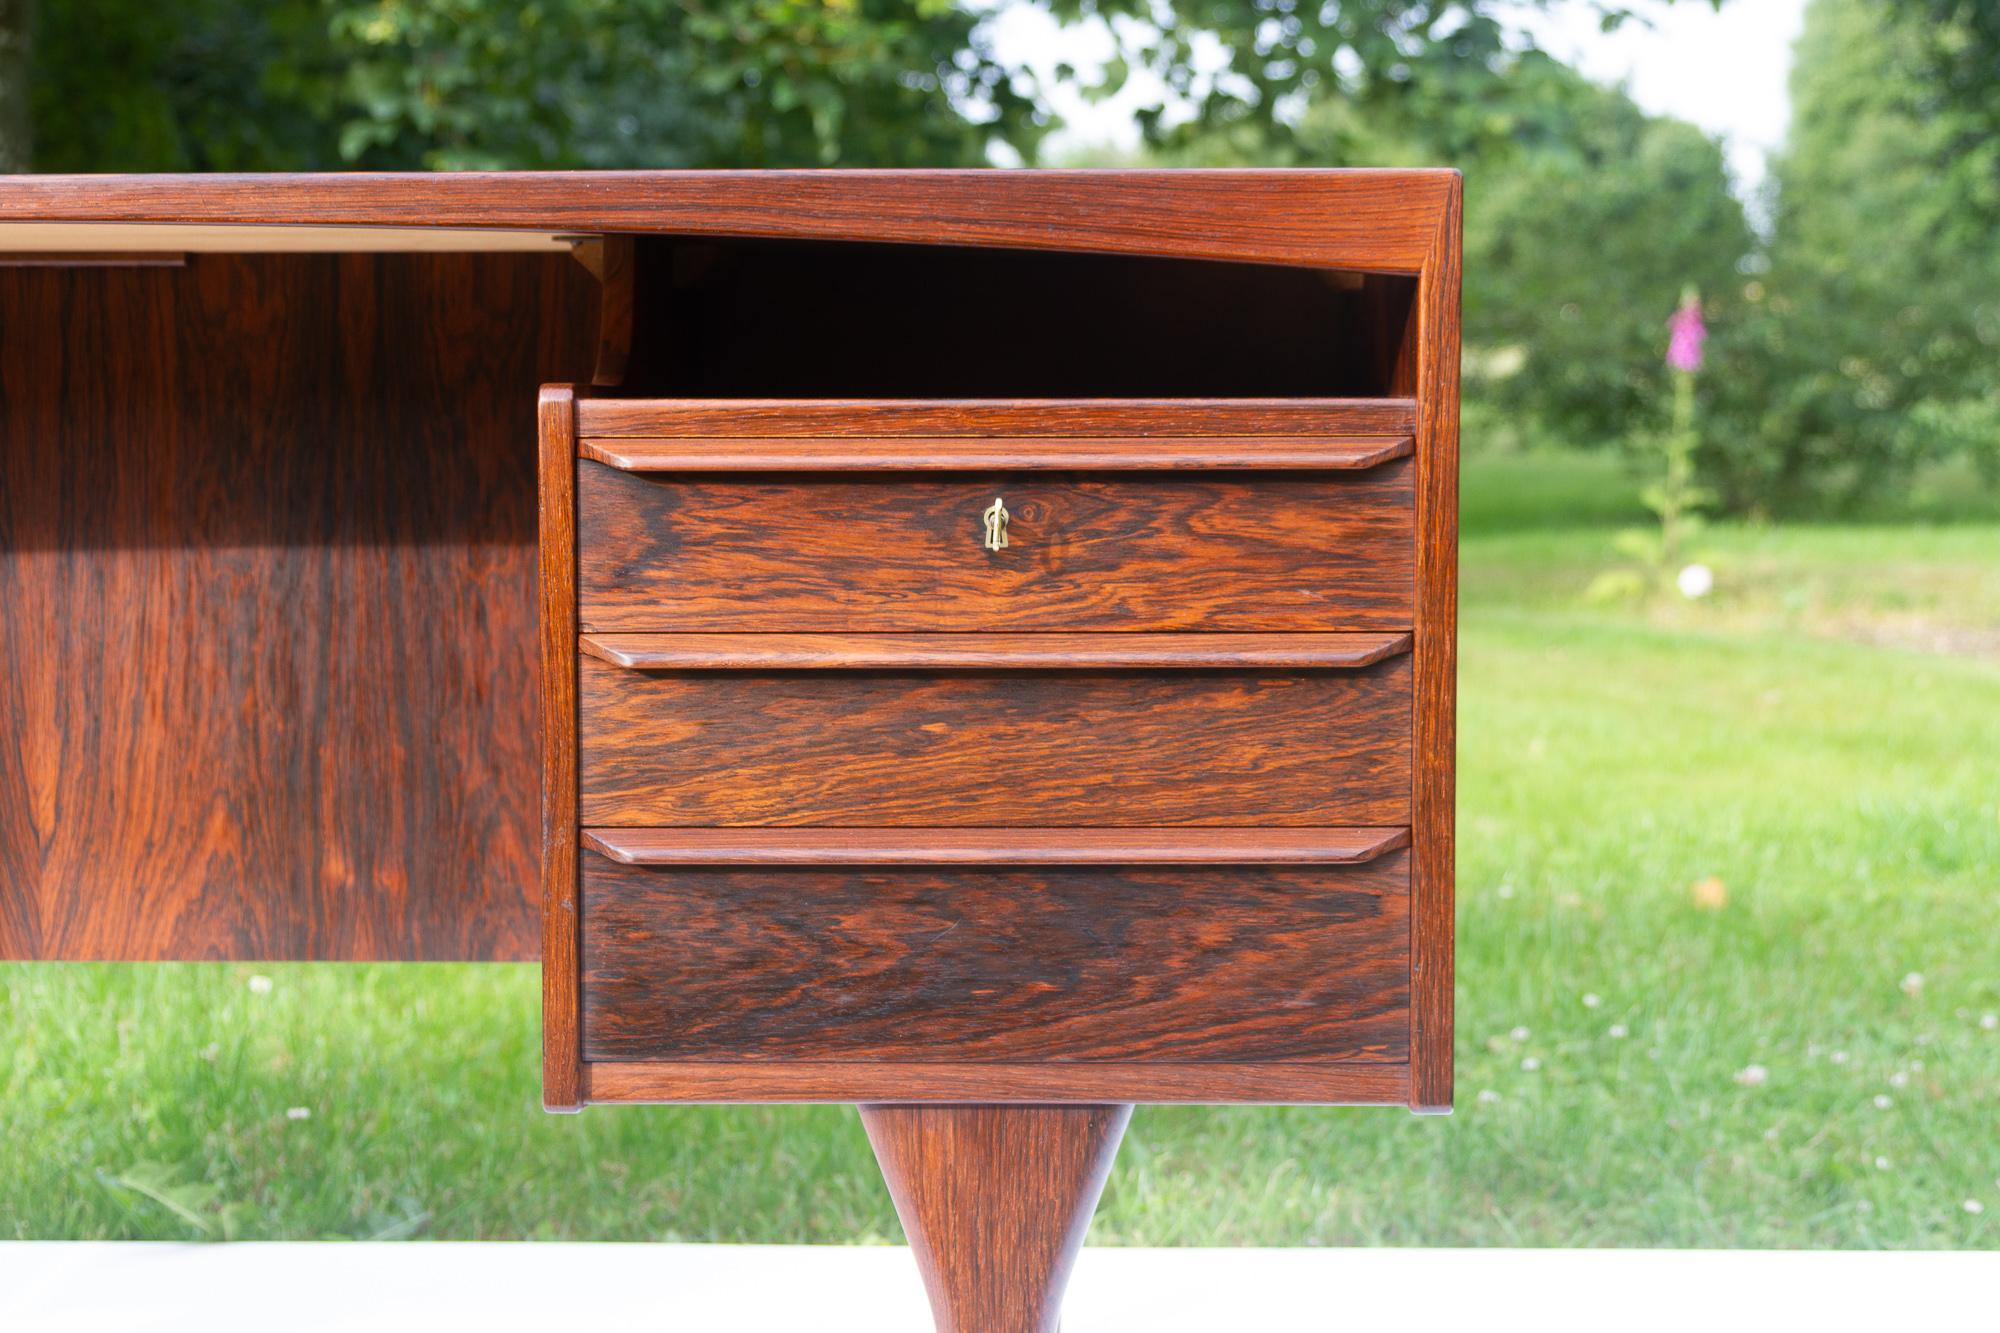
(1073, 743)
(1056, 750)
(1060, 751)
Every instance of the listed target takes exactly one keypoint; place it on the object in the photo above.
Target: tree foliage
(1580, 238)
(322, 84)
(1960, 57)
(1872, 344)
(326, 84)
(16, 29)
(1247, 71)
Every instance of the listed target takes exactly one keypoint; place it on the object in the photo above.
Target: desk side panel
(267, 617)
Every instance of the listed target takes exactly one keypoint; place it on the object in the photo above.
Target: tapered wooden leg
(995, 1201)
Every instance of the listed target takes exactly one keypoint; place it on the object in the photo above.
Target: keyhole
(996, 525)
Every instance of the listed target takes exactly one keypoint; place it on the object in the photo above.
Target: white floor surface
(519, 1288)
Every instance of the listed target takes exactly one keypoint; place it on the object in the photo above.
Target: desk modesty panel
(267, 575)
(1016, 608)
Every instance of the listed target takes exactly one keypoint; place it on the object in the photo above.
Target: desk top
(1366, 220)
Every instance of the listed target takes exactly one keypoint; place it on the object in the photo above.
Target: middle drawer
(1059, 747)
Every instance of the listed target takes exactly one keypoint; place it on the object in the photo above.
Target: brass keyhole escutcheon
(996, 525)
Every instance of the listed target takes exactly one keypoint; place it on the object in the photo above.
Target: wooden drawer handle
(982, 652)
(997, 847)
(1330, 453)
(930, 423)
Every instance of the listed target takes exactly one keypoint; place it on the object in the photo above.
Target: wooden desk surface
(1367, 221)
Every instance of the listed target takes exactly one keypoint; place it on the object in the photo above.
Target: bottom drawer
(1230, 964)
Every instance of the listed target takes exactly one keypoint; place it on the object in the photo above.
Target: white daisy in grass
(1592, 1000)
(1989, 1021)
(260, 985)
(1531, 1064)
(1619, 1031)
(298, 1113)
(1883, 1101)
(1899, 1079)
(1912, 983)
(1882, 1164)
(1753, 1076)
(1488, 1096)
(1518, 1034)
(1973, 1206)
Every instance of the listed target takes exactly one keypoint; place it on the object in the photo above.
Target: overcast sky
(1723, 71)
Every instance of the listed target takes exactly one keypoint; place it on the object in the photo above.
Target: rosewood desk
(979, 645)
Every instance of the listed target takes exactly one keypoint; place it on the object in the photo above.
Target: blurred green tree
(222, 85)
(1583, 224)
(1870, 347)
(1961, 55)
(1249, 72)
(320, 84)
(16, 28)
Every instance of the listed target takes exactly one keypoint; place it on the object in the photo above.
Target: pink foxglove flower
(1687, 334)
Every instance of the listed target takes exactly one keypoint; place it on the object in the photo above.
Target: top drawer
(841, 517)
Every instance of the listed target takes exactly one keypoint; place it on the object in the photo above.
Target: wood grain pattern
(1377, 221)
(1011, 454)
(989, 748)
(267, 600)
(1436, 684)
(966, 652)
(883, 419)
(92, 259)
(995, 1203)
(1238, 964)
(562, 1081)
(611, 260)
(151, 238)
(939, 847)
(1305, 1082)
(905, 553)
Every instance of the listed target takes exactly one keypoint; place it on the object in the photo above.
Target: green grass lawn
(1806, 1055)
